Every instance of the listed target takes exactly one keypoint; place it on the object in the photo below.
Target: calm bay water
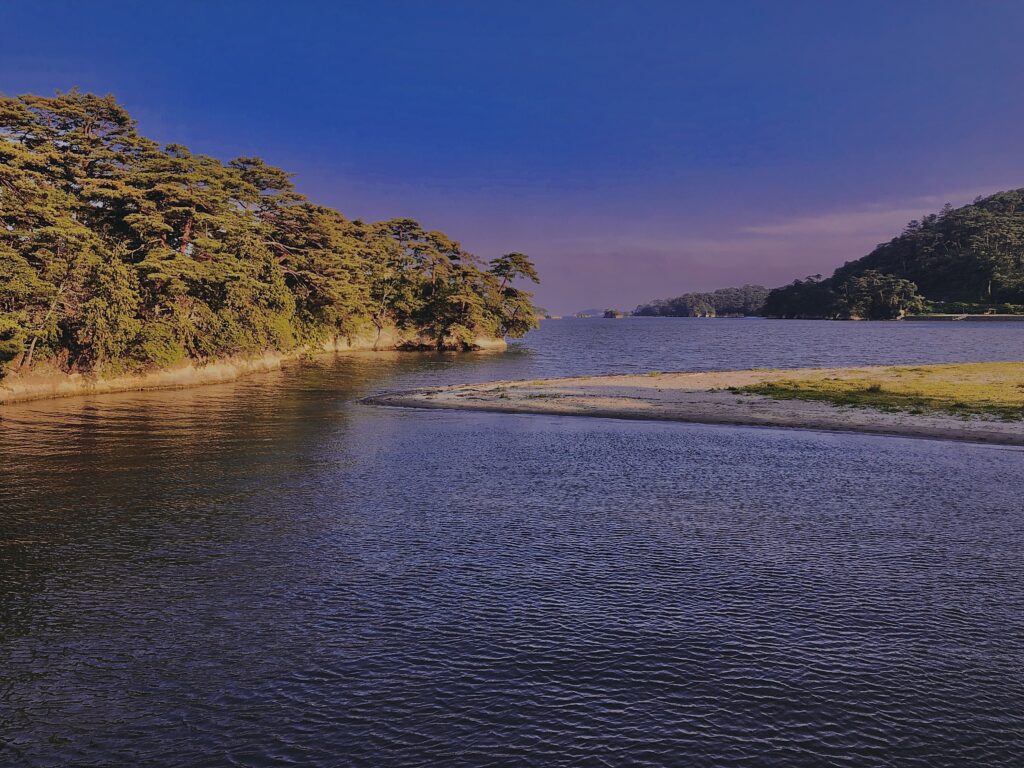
(271, 573)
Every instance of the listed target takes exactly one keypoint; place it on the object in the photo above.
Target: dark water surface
(270, 573)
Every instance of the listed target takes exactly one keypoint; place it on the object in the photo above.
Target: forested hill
(117, 254)
(747, 300)
(968, 259)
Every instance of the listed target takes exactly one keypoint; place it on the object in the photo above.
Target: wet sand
(703, 398)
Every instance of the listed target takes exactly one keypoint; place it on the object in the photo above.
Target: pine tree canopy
(118, 255)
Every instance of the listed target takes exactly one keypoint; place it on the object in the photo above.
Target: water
(271, 573)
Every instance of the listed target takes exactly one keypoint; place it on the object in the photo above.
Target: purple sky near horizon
(634, 150)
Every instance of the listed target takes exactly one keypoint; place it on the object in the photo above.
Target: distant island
(119, 257)
(965, 261)
(725, 302)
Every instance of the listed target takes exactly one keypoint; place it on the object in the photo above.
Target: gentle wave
(270, 573)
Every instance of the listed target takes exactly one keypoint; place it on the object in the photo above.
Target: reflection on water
(271, 573)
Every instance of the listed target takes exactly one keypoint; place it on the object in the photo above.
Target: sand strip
(702, 398)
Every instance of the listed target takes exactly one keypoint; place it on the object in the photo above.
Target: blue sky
(634, 149)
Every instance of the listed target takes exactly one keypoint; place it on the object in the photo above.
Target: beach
(710, 398)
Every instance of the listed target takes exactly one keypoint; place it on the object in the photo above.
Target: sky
(635, 150)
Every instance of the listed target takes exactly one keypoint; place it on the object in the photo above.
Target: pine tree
(116, 253)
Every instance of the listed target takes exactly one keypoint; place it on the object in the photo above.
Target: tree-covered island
(118, 255)
(725, 302)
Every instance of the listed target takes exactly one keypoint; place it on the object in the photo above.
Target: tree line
(870, 295)
(744, 301)
(968, 259)
(119, 254)
(961, 260)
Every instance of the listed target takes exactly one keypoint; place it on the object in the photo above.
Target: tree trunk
(380, 328)
(27, 362)
(186, 236)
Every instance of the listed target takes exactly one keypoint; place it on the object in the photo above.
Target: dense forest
(744, 301)
(117, 254)
(961, 260)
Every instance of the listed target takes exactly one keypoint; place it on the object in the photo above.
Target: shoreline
(49, 384)
(703, 398)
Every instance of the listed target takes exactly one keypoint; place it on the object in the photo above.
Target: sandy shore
(702, 398)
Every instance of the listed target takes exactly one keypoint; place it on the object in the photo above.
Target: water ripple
(272, 574)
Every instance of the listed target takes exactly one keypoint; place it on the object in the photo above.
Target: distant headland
(955, 264)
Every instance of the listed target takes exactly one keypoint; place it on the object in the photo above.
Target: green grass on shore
(994, 390)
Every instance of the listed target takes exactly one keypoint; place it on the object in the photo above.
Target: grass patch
(994, 390)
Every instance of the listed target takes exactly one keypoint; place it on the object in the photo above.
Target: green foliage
(514, 314)
(971, 257)
(109, 322)
(115, 253)
(12, 337)
(159, 343)
(874, 296)
(869, 295)
(746, 300)
(812, 297)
